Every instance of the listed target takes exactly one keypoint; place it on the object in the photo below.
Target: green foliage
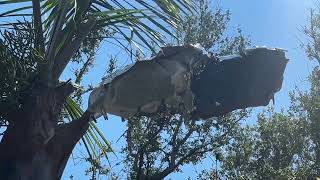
(163, 144)
(130, 19)
(281, 145)
(208, 28)
(312, 32)
(18, 64)
(199, 28)
(268, 150)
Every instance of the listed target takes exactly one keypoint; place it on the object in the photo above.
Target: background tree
(38, 41)
(162, 144)
(276, 148)
(283, 145)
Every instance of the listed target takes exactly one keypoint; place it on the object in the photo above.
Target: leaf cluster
(19, 62)
(283, 145)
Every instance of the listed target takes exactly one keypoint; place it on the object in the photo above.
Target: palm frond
(94, 140)
(137, 14)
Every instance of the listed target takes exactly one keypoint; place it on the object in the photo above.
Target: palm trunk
(35, 146)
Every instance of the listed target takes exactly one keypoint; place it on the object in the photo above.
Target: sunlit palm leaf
(93, 138)
(165, 11)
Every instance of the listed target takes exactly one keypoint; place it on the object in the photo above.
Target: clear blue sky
(273, 23)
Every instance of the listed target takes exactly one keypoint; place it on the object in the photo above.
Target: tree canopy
(41, 119)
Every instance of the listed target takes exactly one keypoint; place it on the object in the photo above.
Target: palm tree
(38, 40)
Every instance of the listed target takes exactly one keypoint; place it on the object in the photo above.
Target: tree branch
(198, 150)
(84, 68)
(66, 137)
(174, 141)
(186, 137)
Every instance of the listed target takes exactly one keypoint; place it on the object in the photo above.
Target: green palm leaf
(110, 13)
(93, 137)
(138, 22)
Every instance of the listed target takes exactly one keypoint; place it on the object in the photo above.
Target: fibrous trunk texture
(35, 146)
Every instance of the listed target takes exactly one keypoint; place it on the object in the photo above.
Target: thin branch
(198, 150)
(174, 139)
(84, 68)
(186, 137)
(139, 172)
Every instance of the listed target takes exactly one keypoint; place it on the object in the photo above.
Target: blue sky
(273, 23)
(277, 23)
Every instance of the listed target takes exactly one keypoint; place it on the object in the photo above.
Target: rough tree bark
(35, 146)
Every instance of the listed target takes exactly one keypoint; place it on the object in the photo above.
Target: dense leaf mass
(19, 63)
(286, 144)
(281, 145)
